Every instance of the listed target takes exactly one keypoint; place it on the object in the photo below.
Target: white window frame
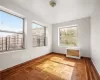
(45, 34)
(59, 36)
(8, 11)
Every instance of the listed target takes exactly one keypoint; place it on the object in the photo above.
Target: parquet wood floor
(53, 67)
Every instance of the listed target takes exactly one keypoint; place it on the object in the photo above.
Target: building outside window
(11, 32)
(39, 35)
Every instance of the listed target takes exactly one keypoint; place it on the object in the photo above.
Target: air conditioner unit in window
(73, 53)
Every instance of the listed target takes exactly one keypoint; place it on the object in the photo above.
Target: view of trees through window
(68, 36)
(39, 35)
(11, 32)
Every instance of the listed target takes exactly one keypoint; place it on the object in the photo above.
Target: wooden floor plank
(53, 67)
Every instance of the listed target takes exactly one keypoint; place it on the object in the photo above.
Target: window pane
(39, 35)
(11, 32)
(68, 36)
(10, 22)
(10, 41)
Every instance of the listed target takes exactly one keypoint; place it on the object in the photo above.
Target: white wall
(95, 36)
(83, 35)
(9, 59)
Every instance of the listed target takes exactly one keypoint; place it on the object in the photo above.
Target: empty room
(49, 39)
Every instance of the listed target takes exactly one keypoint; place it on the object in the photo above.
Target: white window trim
(11, 12)
(59, 36)
(38, 23)
(8, 11)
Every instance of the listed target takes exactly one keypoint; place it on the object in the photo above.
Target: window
(68, 36)
(39, 35)
(11, 32)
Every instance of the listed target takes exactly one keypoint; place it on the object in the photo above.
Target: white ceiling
(65, 10)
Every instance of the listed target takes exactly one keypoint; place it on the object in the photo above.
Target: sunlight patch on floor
(58, 67)
(61, 60)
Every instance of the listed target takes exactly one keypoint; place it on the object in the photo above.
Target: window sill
(11, 51)
(68, 47)
(75, 48)
(38, 46)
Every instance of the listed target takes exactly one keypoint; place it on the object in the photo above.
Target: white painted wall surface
(9, 59)
(83, 36)
(95, 36)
